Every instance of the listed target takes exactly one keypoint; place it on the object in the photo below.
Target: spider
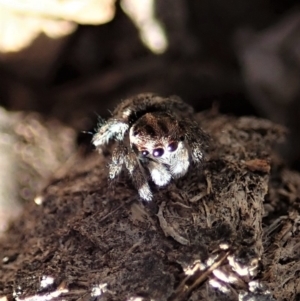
(156, 137)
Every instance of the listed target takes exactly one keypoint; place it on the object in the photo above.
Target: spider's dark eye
(158, 152)
(181, 138)
(172, 146)
(145, 153)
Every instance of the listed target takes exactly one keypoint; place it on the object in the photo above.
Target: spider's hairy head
(157, 136)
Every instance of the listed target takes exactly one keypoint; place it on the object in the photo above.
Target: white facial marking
(160, 175)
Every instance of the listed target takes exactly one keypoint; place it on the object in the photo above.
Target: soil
(227, 231)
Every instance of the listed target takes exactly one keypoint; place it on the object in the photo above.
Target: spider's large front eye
(172, 146)
(158, 152)
(145, 153)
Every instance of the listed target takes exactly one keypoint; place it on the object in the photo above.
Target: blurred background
(63, 62)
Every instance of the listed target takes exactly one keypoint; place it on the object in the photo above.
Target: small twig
(184, 290)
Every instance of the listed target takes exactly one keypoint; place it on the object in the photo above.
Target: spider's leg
(196, 139)
(113, 128)
(138, 176)
(180, 164)
(117, 160)
(159, 173)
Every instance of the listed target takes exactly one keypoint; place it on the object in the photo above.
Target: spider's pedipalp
(138, 175)
(159, 173)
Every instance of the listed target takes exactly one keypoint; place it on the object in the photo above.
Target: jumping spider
(156, 139)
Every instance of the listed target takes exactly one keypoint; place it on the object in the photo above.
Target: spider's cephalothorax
(156, 139)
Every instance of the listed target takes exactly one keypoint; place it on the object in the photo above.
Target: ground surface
(86, 239)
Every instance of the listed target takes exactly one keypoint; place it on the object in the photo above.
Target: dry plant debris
(227, 232)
